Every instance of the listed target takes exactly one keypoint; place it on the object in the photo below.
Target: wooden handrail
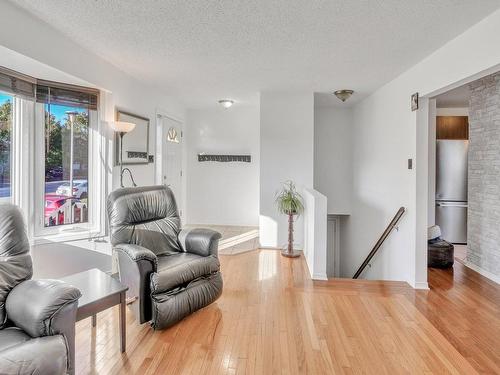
(380, 241)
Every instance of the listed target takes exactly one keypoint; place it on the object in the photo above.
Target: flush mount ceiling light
(343, 94)
(226, 103)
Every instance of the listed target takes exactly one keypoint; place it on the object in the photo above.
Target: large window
(6, 102)
(52, 156)
(66, 165)
(66, 122)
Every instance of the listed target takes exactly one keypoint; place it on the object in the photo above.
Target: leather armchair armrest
(46, 308)
(43, 307)
(138, 253)
(200, 241)
(135, 265)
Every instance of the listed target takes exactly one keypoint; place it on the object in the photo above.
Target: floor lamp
(123, 128)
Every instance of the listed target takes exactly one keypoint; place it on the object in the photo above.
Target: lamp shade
(122, 126)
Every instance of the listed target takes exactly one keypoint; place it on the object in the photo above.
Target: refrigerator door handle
(462, 205)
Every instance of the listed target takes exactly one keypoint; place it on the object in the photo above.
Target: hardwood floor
(272, 319)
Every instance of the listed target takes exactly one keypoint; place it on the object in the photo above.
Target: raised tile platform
(235, 239)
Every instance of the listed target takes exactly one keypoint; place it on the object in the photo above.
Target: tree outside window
(5, 145)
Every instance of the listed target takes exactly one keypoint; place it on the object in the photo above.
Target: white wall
(286, 153)
(452, 111)
(315, 233)
(333, 157)
(386, 134)
(39, 41)
(222, 193)
(380, 186)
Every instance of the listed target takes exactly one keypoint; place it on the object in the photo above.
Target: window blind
(28, 87)
(68, 95)
(17, 84)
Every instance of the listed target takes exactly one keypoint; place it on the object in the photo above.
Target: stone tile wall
(484, 174)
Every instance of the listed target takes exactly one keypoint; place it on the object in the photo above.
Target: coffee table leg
(123, 333)
(94, 320)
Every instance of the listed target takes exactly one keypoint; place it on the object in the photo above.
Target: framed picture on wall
(136, 143)
(414, 102)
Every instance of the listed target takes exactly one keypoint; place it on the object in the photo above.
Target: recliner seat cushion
(169, 308)
(15, 260)
(12, 336)
(181, 268)
(42, 356)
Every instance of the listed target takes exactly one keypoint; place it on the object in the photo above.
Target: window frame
(28, 157)
(96, 187)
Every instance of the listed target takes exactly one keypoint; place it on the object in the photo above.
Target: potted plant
(289, 202)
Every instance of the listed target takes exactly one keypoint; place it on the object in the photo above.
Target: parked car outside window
(79, 189)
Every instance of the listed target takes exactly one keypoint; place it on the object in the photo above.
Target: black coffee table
(99, 292)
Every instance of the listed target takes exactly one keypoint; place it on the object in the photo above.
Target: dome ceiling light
(343, 94)
(226, 103)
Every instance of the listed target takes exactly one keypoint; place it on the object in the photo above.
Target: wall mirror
(135, 143)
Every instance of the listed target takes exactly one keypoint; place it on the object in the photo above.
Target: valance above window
(27, 87)
(67, 95)
(17, 84)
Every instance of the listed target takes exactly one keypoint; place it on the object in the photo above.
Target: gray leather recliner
(170, 272)
(37, 317)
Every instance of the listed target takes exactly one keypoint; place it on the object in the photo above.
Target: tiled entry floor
(235, 239)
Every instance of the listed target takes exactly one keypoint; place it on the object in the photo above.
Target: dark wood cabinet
(452, 127)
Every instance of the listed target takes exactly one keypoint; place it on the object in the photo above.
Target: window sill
(69, 235)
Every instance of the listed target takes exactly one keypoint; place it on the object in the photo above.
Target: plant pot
(293, 254)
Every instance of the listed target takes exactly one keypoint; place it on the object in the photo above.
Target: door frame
(160, 114)
(425, 159)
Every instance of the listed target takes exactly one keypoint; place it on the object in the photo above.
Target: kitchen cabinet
(452, 127)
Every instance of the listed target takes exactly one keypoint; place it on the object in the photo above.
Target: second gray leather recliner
(170, 272)
(37, 317)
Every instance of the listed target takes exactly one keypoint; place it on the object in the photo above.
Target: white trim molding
(480, 271)
(421, 285)
(319, 277)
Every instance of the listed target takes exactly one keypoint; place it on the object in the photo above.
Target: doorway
(171, 157)
(451, 167)
(464, 149)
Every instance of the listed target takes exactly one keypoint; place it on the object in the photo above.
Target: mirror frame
(117, 139)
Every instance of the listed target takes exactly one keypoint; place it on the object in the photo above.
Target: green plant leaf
(288, 200)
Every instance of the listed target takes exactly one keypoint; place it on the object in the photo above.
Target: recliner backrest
(146, 216)
(15, 258)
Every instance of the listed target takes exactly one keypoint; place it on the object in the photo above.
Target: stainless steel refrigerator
(451, 189)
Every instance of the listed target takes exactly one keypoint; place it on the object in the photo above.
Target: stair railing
(392, 225)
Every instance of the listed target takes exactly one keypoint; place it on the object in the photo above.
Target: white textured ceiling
(204, 50)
